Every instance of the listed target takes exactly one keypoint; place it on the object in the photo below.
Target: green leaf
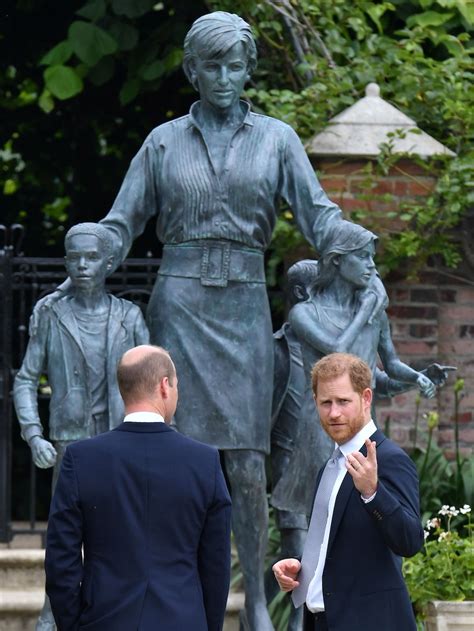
(90, 42)
(10, 187)
(93, 11)
(466, 9)
(46, 102)
(429, 18)
(174, 59)
(129, 91)
(57, 55)
(132, 8)
(125, 35)
(63, 82)
(103, 71)
(153, 71)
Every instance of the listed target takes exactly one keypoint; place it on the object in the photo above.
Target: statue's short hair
(96, 229)
(337, 364)
(213, 35)
(138, 380)
(302, 273)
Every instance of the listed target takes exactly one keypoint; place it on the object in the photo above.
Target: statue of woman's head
(211, 36)
(341, 239)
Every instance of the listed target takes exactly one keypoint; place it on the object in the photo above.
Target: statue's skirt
(220, 339)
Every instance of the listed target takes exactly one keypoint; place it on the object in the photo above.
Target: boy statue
(78, 341)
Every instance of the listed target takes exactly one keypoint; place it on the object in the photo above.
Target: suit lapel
(345, 490)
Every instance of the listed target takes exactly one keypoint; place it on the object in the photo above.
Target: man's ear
(110, 261)
(164, 388)
(336, 260)
(367, 398)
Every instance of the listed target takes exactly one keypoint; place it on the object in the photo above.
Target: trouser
(314, 621)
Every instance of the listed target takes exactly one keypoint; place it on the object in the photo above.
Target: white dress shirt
(314, 598)
(143, 417)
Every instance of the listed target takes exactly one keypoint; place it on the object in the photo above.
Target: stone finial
(360, 130)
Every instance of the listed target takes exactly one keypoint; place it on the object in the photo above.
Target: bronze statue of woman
(213, 180)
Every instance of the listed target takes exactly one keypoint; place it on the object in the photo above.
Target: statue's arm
(395, 368)
(304, 324)
(25, 387)
(313, 210)
(136, 202)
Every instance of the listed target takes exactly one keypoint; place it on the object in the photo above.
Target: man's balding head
(141, 370)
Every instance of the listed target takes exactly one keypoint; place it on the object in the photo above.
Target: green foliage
(317, 58)
(441, 480)
(113, 40)
(444, 569)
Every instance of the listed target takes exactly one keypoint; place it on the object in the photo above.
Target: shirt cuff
(368, 499)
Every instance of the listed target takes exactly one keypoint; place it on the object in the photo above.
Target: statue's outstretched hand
(46, 301)
(438, 374)
(426, 386)
(43, 453)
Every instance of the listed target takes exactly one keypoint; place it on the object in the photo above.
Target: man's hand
(286, 572)
(43, 453)
(364, 470)
(426, 386)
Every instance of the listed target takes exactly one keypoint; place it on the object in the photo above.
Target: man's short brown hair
(337, 364)
(138, 380)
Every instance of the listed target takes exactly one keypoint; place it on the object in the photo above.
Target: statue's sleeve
(313, 211)
(136, 202)
(142, 335)
(25, 387)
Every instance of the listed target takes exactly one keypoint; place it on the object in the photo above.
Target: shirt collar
(356, 442)
(193, 122)
(143, 417)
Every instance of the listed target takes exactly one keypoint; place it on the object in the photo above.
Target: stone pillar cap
(359, 131)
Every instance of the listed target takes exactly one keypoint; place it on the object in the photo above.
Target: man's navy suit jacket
(152, 510)
(363, 586)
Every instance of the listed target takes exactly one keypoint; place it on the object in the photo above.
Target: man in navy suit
(151, 510)
(363, 521)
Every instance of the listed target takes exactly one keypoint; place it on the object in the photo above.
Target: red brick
(334, 167)
(331, 184)
(408, 167)
(423, 331)
(424, 295)
(348, 204)
(410, 311)
(463, 417)
(467, 435)
(416, 348)
(421, 187)
(449, 295)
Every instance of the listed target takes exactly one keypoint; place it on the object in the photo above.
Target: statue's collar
(193, 122)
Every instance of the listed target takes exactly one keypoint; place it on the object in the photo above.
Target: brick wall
(432, 320)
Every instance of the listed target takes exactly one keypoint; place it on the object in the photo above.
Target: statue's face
(358, 267)
(220, 80)
(86, 263)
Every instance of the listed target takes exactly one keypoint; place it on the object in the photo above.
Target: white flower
(443, 536)
(465, 509)
(426, 534)
(432, 523)
(444, 510)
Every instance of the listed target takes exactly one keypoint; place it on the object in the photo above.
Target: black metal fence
(23, 281)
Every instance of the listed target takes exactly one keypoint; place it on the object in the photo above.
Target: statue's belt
(215, 263)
